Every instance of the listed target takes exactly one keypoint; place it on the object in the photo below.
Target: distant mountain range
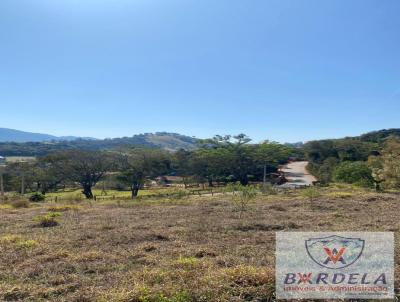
(20, 143)
(17, 136)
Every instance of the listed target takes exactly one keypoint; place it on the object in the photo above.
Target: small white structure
(2, 160)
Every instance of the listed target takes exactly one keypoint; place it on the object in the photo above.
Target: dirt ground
(192, 249)
(297, 175)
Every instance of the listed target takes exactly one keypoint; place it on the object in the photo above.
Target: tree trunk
(265, 175)
(1, 186)
(210, 182)
(135, 190)
(244, 181)
(23, 184)
(135, 193)
(87, 191)
(378, 187)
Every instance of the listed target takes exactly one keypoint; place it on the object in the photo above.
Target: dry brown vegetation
(193, 249)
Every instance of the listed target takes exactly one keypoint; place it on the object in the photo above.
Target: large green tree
(84, 167)
(138, 164)
(240, 161)
(270, 154)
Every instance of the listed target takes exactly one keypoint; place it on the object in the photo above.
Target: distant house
(2, 160)
(168, 180)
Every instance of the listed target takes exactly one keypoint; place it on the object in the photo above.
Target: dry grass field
(177, 250)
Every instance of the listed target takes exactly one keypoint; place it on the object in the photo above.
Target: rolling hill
(18, 136)
(11, 135)
(19, 143)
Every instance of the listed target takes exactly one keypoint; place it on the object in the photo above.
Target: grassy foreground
(191, 249)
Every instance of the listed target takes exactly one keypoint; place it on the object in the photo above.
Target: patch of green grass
(6, 206)
(10, 239)
(173, 192)
(27, 244)
(187, 261)
(54, 214)
(18, 242)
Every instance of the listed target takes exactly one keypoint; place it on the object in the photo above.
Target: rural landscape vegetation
(153, 150)
(124, 220)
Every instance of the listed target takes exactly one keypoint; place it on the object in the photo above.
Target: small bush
(47, 221)
(311, 193)
(37, 197)
(241, 196)
(358, 173)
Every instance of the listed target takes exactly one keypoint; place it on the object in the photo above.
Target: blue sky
(280, 70)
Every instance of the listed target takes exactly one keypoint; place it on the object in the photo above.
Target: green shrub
(37, 197)
(241, 196)
(311, 193)
(357, 173)
(48, 220)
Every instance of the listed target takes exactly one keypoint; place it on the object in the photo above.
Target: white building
(2, 160)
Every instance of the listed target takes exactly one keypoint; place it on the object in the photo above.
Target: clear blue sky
(282, 70)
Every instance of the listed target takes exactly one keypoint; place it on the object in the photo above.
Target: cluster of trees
(370, 160)
(221, 159)
(232, 159)
(325, 155)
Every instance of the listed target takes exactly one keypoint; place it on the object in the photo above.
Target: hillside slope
(164, 140)
(12, 135)
(18, 136)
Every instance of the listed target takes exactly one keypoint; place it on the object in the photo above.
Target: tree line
(223, 159)
(171, 141)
